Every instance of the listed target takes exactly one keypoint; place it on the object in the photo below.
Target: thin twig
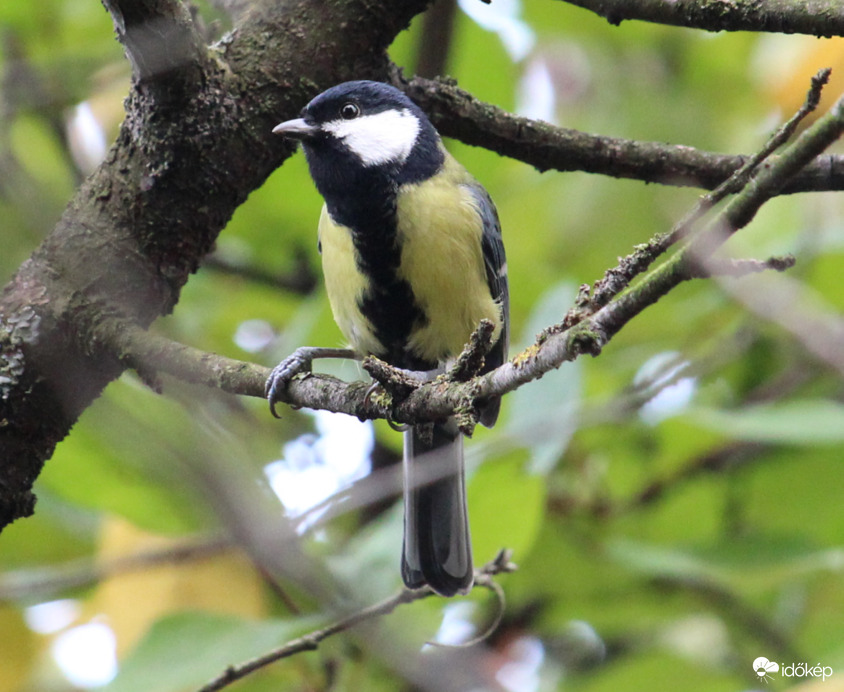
(312, 640)
(28, 584)
(300, 280)
(768, 181)
(743, 174)
(618, 278)
(737, 268)
(435, 40)
(398, 382)
(816, 18)
(484, 578)
(557, 345)
(471, 360)
(457, 114)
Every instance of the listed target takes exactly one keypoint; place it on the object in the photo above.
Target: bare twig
(743, 174)
(816, 18)
(471, 360)
(618, 278)
(736, 268)
(160, 38)
(151, 354)
(311, 641)
(457, 114)
(557, 345)
(399, 383)
(47, 581)
(484, 577)
(436, 37)
(771, 179)
(301, 279)
(590, 335)
(736, 214)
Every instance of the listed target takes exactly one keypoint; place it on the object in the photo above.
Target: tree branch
(736, 268)
(457, 114)
(160, 39)
(815, 17)
(189, 152)
(555, 346)
(592, 334)
(582, 331)
(301, 279)
(435, 40)
(47, 582)
(619, 277)
(310, 642)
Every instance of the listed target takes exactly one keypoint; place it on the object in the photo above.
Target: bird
(413, 259)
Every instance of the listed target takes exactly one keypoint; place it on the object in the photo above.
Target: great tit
(413, 260)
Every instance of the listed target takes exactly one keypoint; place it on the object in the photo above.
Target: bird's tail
(437, 549)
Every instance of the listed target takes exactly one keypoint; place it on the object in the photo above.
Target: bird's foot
(297, 363)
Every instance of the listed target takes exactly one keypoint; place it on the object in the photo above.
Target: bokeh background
(674, 505)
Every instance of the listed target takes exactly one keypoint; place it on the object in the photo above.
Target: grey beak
(296, 129)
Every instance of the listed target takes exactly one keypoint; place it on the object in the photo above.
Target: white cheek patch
(386, 137)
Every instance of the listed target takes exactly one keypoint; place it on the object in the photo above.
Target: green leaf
(662, 561)
(186, 650)
(506, 506)
(544, 414)
(807, 422)
(57, 532)
(757, 562)
(114, 462)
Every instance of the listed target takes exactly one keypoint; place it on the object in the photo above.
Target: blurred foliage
(669, 525)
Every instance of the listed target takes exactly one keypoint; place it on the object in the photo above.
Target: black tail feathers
(437, 549)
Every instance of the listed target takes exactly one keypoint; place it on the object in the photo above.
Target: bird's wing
(495, 263)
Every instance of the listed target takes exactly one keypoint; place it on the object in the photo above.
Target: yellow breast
(345, 284)
(439, 232)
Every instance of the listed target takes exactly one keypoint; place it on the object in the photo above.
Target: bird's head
(366, 125)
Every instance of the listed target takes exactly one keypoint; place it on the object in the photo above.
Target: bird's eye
(349, 111)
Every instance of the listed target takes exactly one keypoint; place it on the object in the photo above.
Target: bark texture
(195, 142)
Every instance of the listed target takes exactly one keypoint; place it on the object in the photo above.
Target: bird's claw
(295, 364)
(378, 388)
(372, 390)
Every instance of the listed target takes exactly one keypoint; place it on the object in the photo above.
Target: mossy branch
(195, 142)
(586, 330)
(816, 17)
(458, 114)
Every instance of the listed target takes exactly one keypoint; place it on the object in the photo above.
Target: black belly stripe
(389, 303)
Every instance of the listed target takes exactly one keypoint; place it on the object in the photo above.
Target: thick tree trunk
(195, 142)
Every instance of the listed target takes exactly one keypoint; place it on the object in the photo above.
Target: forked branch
(587, 328)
